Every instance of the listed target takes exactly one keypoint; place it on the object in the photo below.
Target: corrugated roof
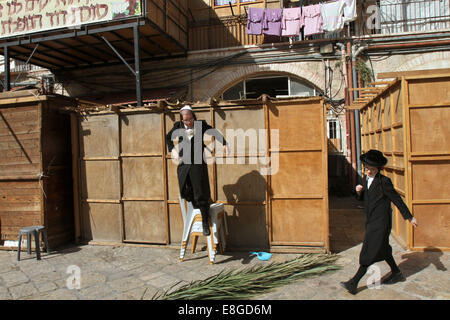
(129, 97)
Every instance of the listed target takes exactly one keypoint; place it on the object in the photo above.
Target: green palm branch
(248, 282)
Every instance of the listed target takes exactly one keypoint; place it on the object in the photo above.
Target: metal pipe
(137, 66)
(408, 45)
(7, 68)
(348, 157)
(355, 53)
(351, 133)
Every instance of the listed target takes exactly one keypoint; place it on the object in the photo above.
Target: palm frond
(248, 282)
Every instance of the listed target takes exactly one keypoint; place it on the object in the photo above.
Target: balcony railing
(397, 16)
(374, 17)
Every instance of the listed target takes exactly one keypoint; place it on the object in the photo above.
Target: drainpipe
(351, 149)
(343, 62)
(348, 129)
(355, 53)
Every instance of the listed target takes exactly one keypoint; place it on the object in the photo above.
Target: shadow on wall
(246, 217)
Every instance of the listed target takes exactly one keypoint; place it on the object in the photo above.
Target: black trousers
(363, 269)
(196, 195)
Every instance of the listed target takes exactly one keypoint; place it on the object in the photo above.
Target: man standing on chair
(192, 169)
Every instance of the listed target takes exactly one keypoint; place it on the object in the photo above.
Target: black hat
(373, 158)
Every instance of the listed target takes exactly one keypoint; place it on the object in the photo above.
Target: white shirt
(350, 11)
(369, 181)
(332, 16)
(189, 132)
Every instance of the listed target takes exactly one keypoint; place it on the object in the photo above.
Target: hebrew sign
(18, 17)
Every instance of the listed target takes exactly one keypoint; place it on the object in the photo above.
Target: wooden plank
(144, 221)
(247, 226)
(297, 175)
(99, 136)
(141, 134)
(426, 73)
(100, 180)
(404, 96)
(101, 222)
(297, 221)
(142, 177)
(164, 173)
(435, 225)
(431, 131)
(429, 91)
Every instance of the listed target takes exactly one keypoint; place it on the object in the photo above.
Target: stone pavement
(138, 272)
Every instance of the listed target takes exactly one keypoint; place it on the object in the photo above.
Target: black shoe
(350, 286)
(206, 231)
(394, 278)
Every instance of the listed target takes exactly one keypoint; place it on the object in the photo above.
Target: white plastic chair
(192, 220)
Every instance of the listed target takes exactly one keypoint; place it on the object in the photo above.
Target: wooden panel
(400, 181)
(143, 178)
(431, 180)
(241, 182)
(247, 227)
(294, 123)
(403, 226)
(141, 133)
(398, 105)
(386, 145)
(298, 221)
(19, 207)
(299, 174)
(387, 121)
(101, 222)
(379, 141)
(144, 221)
(172, 181)
(378, 115)
(430, 130)
(19, 141)
(99, 136)
(398, 139)
(434, 225)
(242, 124)
(429, 91)
(175, 223)
(100, 180)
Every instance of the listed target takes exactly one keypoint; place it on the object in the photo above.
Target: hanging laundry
(350, 11)
(332, 16)
(312, 18)
(273, 19)
(255, 21)
(292, 22)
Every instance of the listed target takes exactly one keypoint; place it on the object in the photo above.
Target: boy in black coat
(377, 192)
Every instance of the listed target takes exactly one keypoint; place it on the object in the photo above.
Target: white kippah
(186, 107)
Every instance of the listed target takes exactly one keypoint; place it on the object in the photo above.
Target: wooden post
(75, 175)
(407, 157)
(165, 176)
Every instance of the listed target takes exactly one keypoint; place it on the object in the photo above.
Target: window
(274, 86)
(332, 129)
(226, 2)
(223, 2)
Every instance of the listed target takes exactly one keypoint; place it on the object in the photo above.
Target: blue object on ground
(264, 256)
